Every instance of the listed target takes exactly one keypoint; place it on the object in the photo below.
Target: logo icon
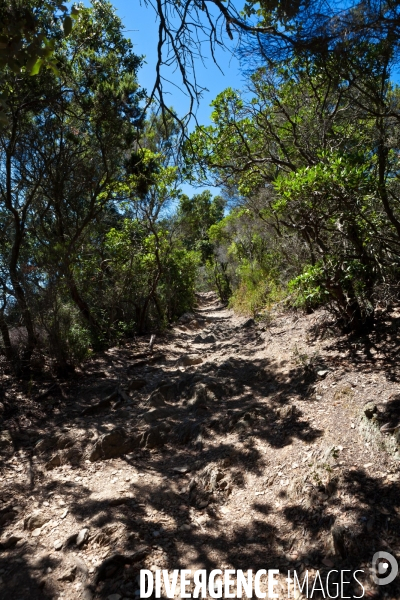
(384, 568)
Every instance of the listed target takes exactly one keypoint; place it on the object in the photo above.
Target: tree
(63, 153)
(28, 34)
(303, 151)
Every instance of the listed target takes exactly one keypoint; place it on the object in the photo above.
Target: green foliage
(308, 290)
(304, 158)
(69, 340)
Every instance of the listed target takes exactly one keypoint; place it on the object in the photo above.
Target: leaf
(36, 67)
(67, 25)
(53, 67)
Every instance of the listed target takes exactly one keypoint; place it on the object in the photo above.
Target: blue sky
(141, 25)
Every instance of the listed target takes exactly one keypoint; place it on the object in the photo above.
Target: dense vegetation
(97, 241)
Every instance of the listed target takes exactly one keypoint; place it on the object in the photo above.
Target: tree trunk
(6, 339)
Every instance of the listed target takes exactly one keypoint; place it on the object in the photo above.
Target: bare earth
(261, 455)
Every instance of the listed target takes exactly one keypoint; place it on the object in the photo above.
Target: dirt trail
(234, 444)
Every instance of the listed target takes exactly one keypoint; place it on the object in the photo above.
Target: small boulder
(68, 575)
(136, 384)
(323, 373)
(6, 442)
(58, 544)
(82, 537)
(154, 437)
(156, 400)
(10, 541)
(248, 323)
(112, 445)
(370, 409)
(35, 520)
(158, 413)
(188, 360)
(285, 411)
(54, 462)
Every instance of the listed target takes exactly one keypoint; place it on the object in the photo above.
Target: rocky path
(234, 444)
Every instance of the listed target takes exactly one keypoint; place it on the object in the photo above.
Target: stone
(186, 318)
(10, 541)
(370, 409)
(6, 442)
(285, 411)
(338, 538)
(45, 444)
(36, 532)
(199, 398)
(323, 373)
(248, 323)
(187, 431)
(154, 437)
(183, 469)
(54, 462)
(156, 400)
(58, 545)
(114, 597)
(136, 384)
(82, 537)
(35, 520)
(188, 360)
(65, 441)
(112, 445)
(208, 339)
(158, 413)
(68, 574)
(171, 391)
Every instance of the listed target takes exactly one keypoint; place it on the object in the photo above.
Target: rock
(188, 360)
(68, 575)
(208, 339)
(95, 409)
(154, 437)
(54, 462)
(170, 392)
(158, 413)
(6, 442)
(199, 399)
(65, 441)
(36, 532)
(114, 597)
(248, 323)
(187, 431)
(136, 384)
(119, 501)
(285, 411)
(71, 455)
(323, 373)
(58, 545)
(156, 400)
(113, 445)
(82, 537)
(6, 515)
(186, 318)
(183, 469)
(119, 560)
(35, 520)
(10, 541)
(45, 444)
(370, 409)
(338, 538)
